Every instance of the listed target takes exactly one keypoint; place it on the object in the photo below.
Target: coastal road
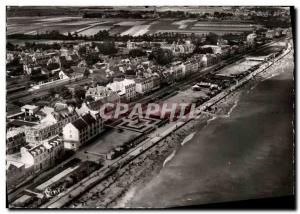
(61, 200)
(175, 87)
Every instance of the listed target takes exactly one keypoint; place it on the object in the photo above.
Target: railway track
(195, 78)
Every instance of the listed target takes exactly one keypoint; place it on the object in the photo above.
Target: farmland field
(133, 27)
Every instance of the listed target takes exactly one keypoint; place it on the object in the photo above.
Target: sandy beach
(118, 190)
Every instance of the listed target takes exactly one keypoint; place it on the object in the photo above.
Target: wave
(231, 109)
(211, 119)
(169, 158)
(188, 138)
(129, 195)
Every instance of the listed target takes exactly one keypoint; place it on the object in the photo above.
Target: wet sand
(247, 155)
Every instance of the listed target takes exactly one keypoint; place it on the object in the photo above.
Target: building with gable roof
(82, 130)
(104, 94)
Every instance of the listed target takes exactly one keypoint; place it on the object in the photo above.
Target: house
(126, 88)
(251, 39)
(50, 125)
(210, 59)
(215, 48)
(44, 155)
(15, 139)
(80, 131)
(29, 109)
(78, 72)
(15, 173)
(177, 70)
(270, 34)
(144, 85)
(104, 94)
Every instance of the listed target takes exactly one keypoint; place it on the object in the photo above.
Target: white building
(80, 131)
(104, 94)
(144, 85)
(251, 39)
(215, 48)
(29, 109)
(42, 156)
(15, 139)
(125, 88)
(50, 125)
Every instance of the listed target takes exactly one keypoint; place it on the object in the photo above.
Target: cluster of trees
(201, 50)
(105, 36)
(15, 67)
(65, 93)
(221, 15)
(137, 52)
(162, 56)
(62, 91)
(42, 46)
(92, 58)
(115, 14)
(107, 48)
(52, 66)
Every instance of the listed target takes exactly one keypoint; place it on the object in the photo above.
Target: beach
(208, 152)
(246, 155)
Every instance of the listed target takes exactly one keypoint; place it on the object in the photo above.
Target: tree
(163, 56)
(137, 52)
(82, 50)
(212, 39)
(86, 73)
(10, 46)
(107, 48)
(79, 93)
(92, 58)
(201, 50)
(52, 66)
(65, 93)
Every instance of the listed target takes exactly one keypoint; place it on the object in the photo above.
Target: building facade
(80, 131)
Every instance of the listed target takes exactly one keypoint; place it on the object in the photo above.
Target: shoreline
(122, 188)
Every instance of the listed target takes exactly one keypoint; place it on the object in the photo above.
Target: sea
(248, 155)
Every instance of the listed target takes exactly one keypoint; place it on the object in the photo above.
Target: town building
(144, 85)
(270, 34)
(251, 39)
(126, 89)
(15, 139)
(50, 125)
(102, 93)
(43, 155)
(29, 110)
(80, 131)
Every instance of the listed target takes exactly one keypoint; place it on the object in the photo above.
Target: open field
(136, 30)
(184, 23)
(133, 27)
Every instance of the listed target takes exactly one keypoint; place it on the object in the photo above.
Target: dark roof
(74, 57)
(88, 119)
(78, 69)
(79, 124)
(95, 105)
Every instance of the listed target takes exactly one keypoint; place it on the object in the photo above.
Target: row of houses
(32, 160)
